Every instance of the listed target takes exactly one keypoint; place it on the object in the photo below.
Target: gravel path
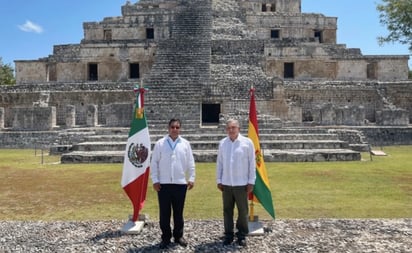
(318, 235)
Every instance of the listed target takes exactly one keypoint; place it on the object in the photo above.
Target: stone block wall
(34, 118)
(392, 117)
(292, 6)
(384, 136)
(1, 118)
(31, 71)
(290, 26)
(118, 114)
(28, 139)
(371, 96)
(328, 114)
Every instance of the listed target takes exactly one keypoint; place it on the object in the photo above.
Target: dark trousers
(235, 195)
(171, 197)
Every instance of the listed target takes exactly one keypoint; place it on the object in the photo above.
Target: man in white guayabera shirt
(173, 173)
(235, 177)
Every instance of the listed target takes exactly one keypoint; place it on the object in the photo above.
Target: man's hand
(220, 187)
(190, 185)
(156, 187)
(249, 188)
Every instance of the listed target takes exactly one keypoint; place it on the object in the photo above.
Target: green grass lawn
(381, 188)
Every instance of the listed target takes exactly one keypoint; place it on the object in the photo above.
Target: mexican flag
(136, 165)
(261, 190)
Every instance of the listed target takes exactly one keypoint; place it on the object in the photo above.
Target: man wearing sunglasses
(172, 173)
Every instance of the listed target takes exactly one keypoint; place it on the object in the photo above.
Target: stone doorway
(210, 114)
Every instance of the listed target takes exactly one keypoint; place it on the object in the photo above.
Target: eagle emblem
(137, 154)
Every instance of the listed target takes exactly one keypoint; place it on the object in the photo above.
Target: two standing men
(172, 161)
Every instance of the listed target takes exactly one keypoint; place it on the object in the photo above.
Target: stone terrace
(298, 144)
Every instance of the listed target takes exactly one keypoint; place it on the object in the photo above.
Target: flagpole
(251, 210)
(252, 206)
(261, 190)
(136, 165)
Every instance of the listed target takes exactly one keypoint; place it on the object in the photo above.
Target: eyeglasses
(174, 127)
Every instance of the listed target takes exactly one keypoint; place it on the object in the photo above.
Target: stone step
(292, 155)
(217, 137)
(189, 129)
(311, 155)
(206, 145)
(278, 144)
(93, 157)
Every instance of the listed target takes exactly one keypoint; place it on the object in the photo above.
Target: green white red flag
(261, 190)
(136, 165)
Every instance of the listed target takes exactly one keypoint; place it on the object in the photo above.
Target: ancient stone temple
(199, 59)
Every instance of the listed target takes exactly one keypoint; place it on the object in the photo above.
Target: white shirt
(236, 165)
(172, 161)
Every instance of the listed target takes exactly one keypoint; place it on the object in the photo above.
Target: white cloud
(31, 27)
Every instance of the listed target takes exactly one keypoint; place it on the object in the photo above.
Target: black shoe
(164, 244)
(181, 241)
(241, 242)
(227, 241)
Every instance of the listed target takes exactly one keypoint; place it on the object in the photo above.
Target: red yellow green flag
(261, 190)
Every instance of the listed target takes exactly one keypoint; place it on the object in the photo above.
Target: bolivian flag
(261, 190)
(136, 164)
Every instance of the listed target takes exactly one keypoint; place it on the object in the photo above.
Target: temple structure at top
(272, 35)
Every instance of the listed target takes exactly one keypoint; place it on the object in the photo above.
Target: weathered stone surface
(34, 118)
(213, 51)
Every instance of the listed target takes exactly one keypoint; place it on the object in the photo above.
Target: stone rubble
(283, 235)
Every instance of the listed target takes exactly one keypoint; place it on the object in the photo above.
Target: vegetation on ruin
(6, 74)
(36, 187)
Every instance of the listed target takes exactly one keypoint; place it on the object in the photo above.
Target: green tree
(6, 74)
(396, 15)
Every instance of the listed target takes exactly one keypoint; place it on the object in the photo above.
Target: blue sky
(30, 28)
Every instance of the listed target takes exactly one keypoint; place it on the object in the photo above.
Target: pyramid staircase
(291, 144)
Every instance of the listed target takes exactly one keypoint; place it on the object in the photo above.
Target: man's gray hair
(232, 120)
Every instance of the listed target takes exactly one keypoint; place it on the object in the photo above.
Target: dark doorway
(52, 72)
(274, 34)
(107, 34)
(288, 70)
(149, 33)
(318, 34)
(93, 72)
(210, 114)
(371, 70)
(134, 71)
(264, 9)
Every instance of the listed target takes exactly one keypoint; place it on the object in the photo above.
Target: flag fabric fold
(136, 165)
(261, 190)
